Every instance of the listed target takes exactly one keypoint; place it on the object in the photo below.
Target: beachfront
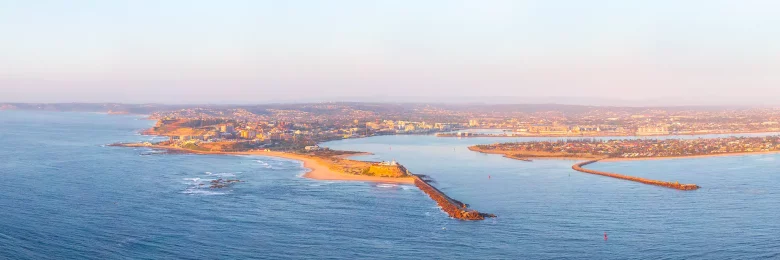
(319, 169)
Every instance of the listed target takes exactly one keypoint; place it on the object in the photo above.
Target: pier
(454, 208)
(672, 185)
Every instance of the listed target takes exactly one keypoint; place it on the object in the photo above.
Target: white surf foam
(264, 164)
(224, 174)
(202, 192)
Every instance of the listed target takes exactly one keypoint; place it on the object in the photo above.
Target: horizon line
(389, 102)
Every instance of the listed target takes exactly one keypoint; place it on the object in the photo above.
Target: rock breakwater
(672, 185)
(454, 208)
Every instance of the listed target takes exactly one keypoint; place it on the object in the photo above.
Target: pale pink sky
(262, 51)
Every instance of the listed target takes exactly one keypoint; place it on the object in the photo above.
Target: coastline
(516, 135)
(686, 157)
(316, 170)
(618, 159)
(530, 157)
(347, 156)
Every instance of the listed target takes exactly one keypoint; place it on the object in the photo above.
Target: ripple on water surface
(66, 197)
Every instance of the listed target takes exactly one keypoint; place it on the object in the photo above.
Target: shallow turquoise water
(65, 195)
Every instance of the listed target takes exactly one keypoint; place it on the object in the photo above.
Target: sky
(255, 51)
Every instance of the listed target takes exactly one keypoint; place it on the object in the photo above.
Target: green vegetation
(193, 146)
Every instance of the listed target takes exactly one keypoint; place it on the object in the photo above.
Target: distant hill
(335, 107)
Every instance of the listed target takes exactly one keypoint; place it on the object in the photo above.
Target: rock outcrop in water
(221, 183)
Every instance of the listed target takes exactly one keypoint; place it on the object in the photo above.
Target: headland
(579, 167)
(510, 134)
(333, 165)
(634, 149)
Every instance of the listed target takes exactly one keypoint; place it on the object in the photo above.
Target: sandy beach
(318, 170)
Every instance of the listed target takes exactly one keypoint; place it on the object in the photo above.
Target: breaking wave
(196, 191)
(264, 164)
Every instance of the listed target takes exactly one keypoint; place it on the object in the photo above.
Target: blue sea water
(65, 195)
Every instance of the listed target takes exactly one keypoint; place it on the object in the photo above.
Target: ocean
(65, 195)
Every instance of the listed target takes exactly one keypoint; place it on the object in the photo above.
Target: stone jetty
(672, 185)
(454, 208)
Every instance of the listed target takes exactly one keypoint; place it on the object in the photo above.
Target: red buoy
(605, 236)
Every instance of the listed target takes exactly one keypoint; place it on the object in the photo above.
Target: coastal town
(360, 119)
(634, 148)
(390, 129)
(246, 133)
(286, 127)
(296, 131)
